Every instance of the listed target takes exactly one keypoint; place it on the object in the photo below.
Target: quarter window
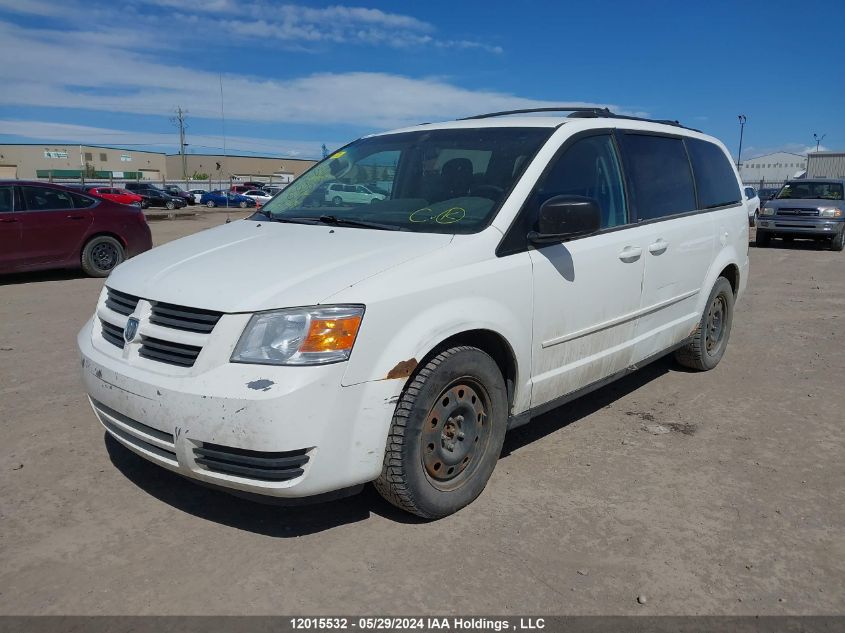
(588, 168)
(659, 175)
(714, 176)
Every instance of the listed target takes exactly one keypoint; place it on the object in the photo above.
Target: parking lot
(715, 493)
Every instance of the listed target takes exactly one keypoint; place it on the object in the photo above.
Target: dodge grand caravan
(518, 262)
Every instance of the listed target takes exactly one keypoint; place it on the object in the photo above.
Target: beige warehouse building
(44, 161)
(217, 167)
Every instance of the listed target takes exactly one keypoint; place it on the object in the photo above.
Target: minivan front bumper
(268, 430)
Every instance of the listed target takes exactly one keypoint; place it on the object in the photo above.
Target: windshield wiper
(278, 218)
(333, 219)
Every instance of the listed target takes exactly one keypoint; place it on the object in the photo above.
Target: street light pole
(818, 139)
(742, 119)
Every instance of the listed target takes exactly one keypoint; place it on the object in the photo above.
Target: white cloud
(124, 79)
(793, 148)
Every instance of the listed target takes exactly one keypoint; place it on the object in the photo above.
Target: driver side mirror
(566, 217)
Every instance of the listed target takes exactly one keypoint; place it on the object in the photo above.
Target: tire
(838, 242)
(210, 204)
(788, 239)
(170, 205)
(752, 221)
(242, 205)
(337, 201)
(145, 204)
(430, 469)
(764, 238)
(100, 255)
(711, 335)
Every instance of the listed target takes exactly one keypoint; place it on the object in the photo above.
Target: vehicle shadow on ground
(586, 405)
(41, 275)
(269, 519)
(282, 521)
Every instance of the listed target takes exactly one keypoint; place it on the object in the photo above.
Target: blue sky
(296, 75)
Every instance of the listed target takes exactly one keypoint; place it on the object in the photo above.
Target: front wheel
(708, 343)
(210, 204)
(170, 205)
(101, 254)
(838, 242)
(145, 204)
(336, 201)
(446, 435)
(242, 204)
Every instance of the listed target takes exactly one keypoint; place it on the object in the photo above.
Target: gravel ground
(716, 493)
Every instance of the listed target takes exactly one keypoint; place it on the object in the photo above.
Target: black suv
(152, 196)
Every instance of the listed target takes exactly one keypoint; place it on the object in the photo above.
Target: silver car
(813, 209)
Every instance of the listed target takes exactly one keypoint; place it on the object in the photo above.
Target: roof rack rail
(586, 112)
(580, 113)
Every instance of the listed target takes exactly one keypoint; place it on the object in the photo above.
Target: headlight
(830, 212)
(299, 336)
(768, 210)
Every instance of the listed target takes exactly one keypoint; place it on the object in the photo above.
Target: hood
(802, 203)
(248, 266)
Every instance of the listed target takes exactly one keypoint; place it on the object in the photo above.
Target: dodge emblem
(131, 329)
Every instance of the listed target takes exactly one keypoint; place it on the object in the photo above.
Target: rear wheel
(242, 204)
(210, 204)
(708, 343)
(145, 204)
(764, 238)
(101, 254)
(170, 205)
(838, 242)
(336, 201)
(446, 435)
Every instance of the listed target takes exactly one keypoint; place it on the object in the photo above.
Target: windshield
(811, 191)
(437, 181)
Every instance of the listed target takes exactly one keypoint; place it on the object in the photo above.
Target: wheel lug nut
(460, 435)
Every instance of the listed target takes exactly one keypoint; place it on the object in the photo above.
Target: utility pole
(818, 139)
(742, 119)
(179, 120)
(325, 150)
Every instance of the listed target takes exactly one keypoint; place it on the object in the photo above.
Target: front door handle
(630, 254)
(76, 217)
(659, 247)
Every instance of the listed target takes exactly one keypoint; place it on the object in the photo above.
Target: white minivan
(518, 262)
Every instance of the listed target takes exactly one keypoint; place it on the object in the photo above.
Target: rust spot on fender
(403, 369)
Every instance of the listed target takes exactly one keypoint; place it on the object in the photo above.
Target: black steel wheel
(446, 434)
(101, 255)
(710, 338)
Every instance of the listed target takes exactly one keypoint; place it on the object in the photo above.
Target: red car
(116, 195)
(44, 225)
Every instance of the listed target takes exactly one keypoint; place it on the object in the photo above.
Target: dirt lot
(737, 509)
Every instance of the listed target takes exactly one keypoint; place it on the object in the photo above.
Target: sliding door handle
(659, 247)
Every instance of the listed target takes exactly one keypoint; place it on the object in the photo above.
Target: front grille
(274, 466)
(802, 212)
(181, 318)
(121, 302)
(113, 333)
(169, 352)
(136, 433)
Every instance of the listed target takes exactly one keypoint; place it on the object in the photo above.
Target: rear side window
(659, 175)
(47, 199)
(714, 176)
(82, 202)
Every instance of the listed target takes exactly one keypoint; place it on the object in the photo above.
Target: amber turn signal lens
(327, 335)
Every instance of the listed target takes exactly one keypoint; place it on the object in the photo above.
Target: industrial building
(772, 168)
(826, 165)
(217, 167)
(34, 161)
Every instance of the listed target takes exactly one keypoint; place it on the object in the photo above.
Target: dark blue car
(226, 199)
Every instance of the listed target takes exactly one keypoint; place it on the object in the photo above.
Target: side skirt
(525, 417)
